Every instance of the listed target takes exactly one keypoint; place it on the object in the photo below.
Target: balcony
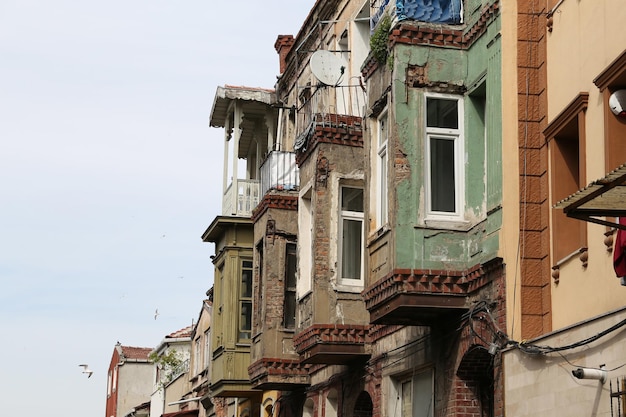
(328, 106)
(330, 128)
(240, 198)
(279, 172)
(278, 374)
(424, 297)
(331, 344)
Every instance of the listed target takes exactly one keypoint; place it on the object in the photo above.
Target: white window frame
(458, 137)
(382, 193)
(197, 356)
(351, 216)
(305, 242)
(425, 388)
(207, 349)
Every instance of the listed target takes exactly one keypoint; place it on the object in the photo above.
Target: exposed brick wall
(471, 383)
(336, 129)
(415, 33)
(220, 406)
(363, 406)
(283, 45)
(533, 156)
(111, 403)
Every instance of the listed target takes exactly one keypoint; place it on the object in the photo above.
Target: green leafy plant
(380, 40)
(169, 365)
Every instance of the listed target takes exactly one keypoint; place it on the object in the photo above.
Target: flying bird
(86, 370)
(156, 313)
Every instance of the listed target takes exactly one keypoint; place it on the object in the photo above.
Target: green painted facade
(475, 73)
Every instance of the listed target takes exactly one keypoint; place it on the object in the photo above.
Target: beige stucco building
(565, 305)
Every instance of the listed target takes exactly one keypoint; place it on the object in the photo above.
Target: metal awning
(599, 201)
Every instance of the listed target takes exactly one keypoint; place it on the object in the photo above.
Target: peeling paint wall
(474, 73)
(329, 301)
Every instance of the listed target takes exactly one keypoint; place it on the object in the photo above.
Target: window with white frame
(245, 301)
(381, 180)
(444, 157)
(207, 348)
(305, 243)
(351, 235)
(414, 395)
(197, 361)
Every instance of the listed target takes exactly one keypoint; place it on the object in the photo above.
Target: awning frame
(600, 201)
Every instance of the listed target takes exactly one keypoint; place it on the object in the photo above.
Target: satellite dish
(328, 67)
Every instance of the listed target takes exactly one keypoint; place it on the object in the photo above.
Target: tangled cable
(480, 311)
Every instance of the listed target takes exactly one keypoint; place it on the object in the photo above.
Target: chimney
(283, 45)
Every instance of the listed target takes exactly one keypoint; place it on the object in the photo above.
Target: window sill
(355, 289)
(575, 254)
(448, 223)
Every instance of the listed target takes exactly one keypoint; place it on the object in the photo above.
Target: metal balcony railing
(279, 172)
(240, 198)
(322, 104)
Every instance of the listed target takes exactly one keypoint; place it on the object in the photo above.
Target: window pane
(290, 267)
(351, 199)
(245, 320)
(422, 395)
(246, 279)
(382, 195)
(382, 133)
(289, 304)
(351, 249)
(442, 113)
(442, 184)
(289, 318)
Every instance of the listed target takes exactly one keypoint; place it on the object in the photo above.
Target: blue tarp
(432, 11)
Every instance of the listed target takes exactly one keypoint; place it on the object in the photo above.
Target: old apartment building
(413, 233)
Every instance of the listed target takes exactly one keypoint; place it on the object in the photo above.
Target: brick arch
(364, 406)
(476, 364)
(476, 376)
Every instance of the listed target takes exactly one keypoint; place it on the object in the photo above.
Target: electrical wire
(533, 349)
(529, 348)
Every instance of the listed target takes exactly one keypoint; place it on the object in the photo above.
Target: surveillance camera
(617, 103)
(591, 373)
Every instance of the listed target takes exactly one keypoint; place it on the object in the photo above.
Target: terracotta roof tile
(243, 87)
(184, 332)
(131, 352)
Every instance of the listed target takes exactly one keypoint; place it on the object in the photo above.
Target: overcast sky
(109, 175)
